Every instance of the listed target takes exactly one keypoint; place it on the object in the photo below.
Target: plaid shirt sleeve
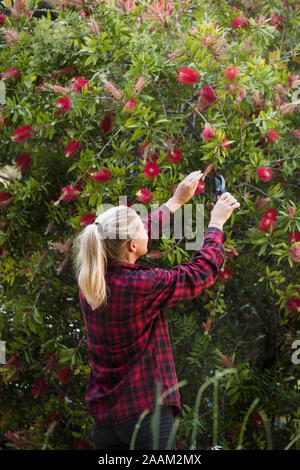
(188, 280)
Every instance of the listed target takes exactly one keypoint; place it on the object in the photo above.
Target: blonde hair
(96, 245)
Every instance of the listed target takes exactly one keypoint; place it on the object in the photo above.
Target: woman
(123, 306)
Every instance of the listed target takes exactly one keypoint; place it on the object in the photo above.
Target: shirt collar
(123, 264)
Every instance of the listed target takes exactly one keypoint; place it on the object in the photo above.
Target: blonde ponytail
(95, 246)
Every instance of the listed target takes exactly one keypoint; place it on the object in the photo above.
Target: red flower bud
(64, 374)
(187, 76)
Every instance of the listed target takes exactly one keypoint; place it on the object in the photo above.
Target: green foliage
(232, 344)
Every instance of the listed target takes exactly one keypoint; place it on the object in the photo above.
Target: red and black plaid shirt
(128, 340)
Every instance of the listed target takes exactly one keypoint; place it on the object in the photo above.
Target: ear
(131, 245)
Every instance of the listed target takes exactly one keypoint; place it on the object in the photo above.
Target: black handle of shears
(220, 188)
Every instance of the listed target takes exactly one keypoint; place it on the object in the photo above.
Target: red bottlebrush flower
(130, 104)
(276, 20)
(225, 146)
(200, 188)
(5, 198)
(101, 175)
(2, 19)
(225, 274)
(206, 97)
(51, 417)
(151, 170)
(63, 104)
(293, 81)
(72, 148)
(187, 76)
(261, 143)
(3, 121)
(111, 88)
(1, 250)
(280, 89)
(68, 193)
(231, 72)
(144, 195)
(66, 71)
(208, 40)
(207, 324)
(241, 95)
(237, 22)
(225, 360)
(293, 304)
(271, 213)
(266, 223)
(232, 252)
(296, 134)
(262, 202)
(84, 14)
(291, 210)
(79, 83)
(231, 87)
(139, 85)
(11, 74)
(52, 360)
(22, 133)
(193, 30)
(256, 418)
(152, 158)
(272, 136)
(129, 5)
(295, 253)
(87, 219)
(208, 133)
(39, 387)
(174, 156)
(178, 445)
(64, 374)
(264, 173)
(81, 444)
(14, 361)
(77, 186)
(3, 417)
(294, 237)
(107, 123)
(24, 162)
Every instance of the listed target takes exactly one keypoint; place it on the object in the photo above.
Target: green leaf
(235, 398)
(89, 60)
(139, 132)
(262, 249)
(132, 122)
(93, 199)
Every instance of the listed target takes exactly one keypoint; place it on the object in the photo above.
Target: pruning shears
(220, 188)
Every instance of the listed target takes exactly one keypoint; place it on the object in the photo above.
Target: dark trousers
(118, 436)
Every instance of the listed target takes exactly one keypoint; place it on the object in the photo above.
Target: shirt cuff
(215, 233)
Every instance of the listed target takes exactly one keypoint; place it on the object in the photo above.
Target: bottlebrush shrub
(127, 99)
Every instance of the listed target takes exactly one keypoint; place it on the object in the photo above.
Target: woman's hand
(222, 210)
(186, 189)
